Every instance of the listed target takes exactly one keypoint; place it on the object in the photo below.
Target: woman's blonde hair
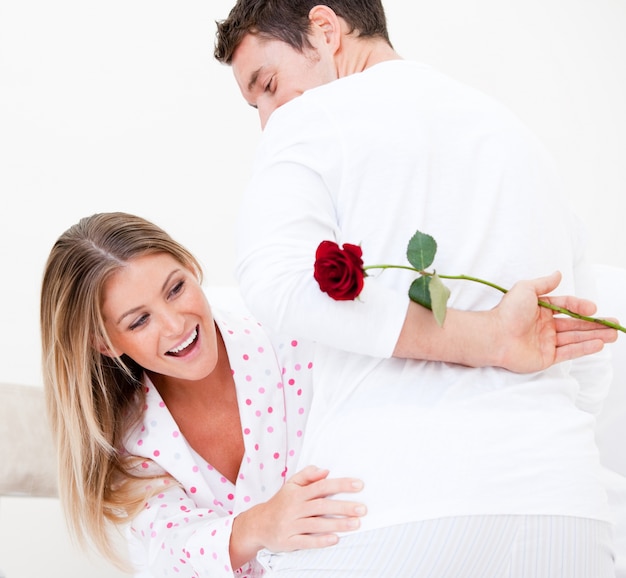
(93, 399)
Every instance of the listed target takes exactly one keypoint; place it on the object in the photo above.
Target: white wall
(119, 105)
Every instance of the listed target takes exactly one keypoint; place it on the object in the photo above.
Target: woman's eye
(177, 289)
(139, 322)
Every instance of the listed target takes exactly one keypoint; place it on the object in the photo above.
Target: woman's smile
(186, 346)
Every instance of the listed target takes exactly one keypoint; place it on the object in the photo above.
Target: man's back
(368, 160)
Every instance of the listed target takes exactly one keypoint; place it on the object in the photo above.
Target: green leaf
(439, 295)
(421, 250)
(418, 291)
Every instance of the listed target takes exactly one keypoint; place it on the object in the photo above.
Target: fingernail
(357, 484)
(360, 510)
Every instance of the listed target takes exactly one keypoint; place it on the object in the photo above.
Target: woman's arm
(173, 534)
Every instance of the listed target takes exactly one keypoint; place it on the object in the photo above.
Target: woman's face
(156, 313)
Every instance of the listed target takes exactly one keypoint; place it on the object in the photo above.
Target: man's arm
(517, 334)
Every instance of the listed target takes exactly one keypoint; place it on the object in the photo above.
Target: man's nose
(265, 111)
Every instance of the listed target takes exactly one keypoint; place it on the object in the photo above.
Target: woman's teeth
(185, 343)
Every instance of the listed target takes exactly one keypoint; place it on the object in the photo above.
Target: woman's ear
(323, 19)
(99, 344)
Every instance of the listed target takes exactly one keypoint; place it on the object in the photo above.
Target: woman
(172, 421)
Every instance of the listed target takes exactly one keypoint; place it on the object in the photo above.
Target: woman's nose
(173, 322)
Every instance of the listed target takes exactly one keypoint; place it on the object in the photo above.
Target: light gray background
(118, 105)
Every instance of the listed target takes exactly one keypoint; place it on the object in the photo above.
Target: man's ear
(326, 21)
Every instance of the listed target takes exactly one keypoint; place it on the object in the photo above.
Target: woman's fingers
(332, 507)
(308, 475)
(323, 520)
(316, 483)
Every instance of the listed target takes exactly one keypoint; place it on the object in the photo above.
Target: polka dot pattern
(185, 532)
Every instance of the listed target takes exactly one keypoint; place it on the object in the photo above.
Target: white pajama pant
(463, 547)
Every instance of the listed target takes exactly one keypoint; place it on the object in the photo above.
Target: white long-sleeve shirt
(185, 531)
(368, 160)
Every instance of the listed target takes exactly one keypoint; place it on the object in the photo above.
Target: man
(469, 471)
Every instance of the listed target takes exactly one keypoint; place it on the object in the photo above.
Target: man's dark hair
(288, 21)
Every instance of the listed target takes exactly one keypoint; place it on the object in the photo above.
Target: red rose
(339, 271)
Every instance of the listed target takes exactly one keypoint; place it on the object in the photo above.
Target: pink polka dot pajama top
(185, 532)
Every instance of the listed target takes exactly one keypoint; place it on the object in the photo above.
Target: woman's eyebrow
(135, 309)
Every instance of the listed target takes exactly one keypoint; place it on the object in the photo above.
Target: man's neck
(358, 54)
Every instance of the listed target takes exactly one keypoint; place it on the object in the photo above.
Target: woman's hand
(301, 515)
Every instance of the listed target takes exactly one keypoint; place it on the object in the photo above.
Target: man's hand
(535, 338)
